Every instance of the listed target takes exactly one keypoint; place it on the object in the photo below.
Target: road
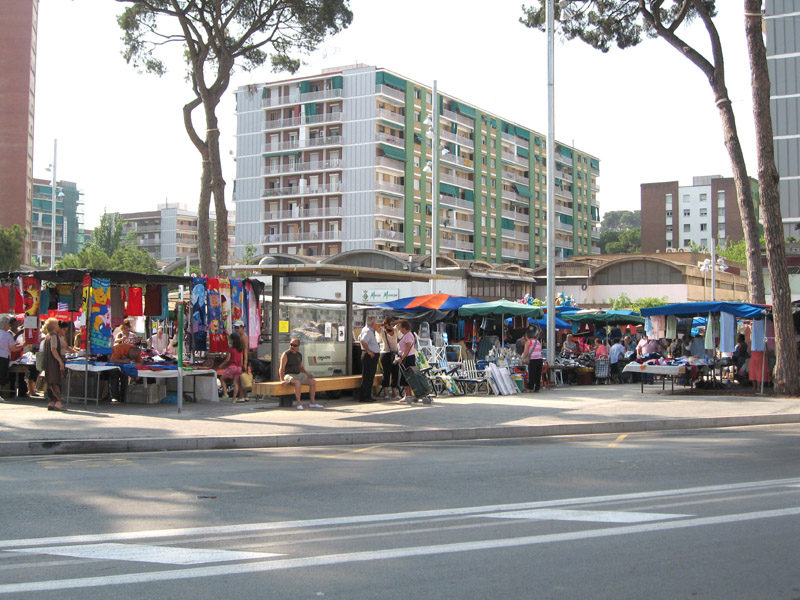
(701, 514)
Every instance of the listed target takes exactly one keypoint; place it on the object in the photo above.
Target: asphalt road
(701, 514)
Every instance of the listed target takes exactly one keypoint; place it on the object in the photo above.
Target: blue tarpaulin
(742, 310)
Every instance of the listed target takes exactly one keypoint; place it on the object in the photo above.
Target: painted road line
(316, 562)
(386, 517)
(168, 555)
(616, 442)
(592, 516)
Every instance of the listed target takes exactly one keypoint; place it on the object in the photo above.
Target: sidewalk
(27, 428)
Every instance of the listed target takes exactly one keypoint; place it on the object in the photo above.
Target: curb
(110, 446)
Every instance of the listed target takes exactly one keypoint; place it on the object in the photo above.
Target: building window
(686, 243)
(669, 214)
(721, 233)
(703, 243)
(417, 94)
(703, 226)
(687, 198)
(687, 228)
(703, 197)
(687, 212)
(720, 198)
(669, 228)
(703, 212)
(721, 215)
(668, 199)
(669, 243)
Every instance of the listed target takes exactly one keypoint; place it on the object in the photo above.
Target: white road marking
(595, 516)
(336, 559)
(379, 518)
(151, 554)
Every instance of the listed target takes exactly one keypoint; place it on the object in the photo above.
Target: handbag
(246, 380)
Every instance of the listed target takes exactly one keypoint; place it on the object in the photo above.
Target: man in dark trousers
(370, 353)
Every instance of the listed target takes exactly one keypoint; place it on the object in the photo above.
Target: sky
(647, 112)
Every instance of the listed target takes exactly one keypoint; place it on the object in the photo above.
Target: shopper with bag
(534, 352)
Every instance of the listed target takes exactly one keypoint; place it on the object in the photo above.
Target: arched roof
(441, 261)
(373, 259)
(639, 270)
(482, 264)
(283, 259)
(179, 266)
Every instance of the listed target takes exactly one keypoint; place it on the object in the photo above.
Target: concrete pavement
(27, 428)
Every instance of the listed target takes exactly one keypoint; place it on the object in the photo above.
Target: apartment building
(336, 162)
(171, 232)
(782, 24)
(69, 231)
(674, 217)
(17, 86)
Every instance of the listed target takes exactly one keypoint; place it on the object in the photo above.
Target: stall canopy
(114, 277)
(499, 308)
(542, 323)
(743, 310)
(604, 318)
(429, 302)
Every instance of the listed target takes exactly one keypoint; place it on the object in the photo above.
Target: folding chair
(472, 380)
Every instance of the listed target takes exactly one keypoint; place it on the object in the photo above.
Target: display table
(204, 381)
(663, 371)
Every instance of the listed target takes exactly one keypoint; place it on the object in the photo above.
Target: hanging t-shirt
(727, 332)
(711, 332)
(757, 338)
(134, 302)
(672, 327)
(152, 301)
(5, 295)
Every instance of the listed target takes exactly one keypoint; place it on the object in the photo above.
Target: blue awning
(742, 310)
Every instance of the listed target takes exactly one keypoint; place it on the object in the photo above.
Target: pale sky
(647, 113)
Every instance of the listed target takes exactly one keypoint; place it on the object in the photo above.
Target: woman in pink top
(599, 348)
(534, 352)
(407, 355)
(231, 368)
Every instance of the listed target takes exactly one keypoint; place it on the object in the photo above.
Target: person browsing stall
(406, 353)
(231, 369)
(389, 349)
(292, 372)
(238, 328)
(160, 341)
(126, 334)
(117, 380)
(534, 352)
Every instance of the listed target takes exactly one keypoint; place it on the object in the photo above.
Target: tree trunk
(203, 241)
(744, 194)
(217, 183)
(786, 374)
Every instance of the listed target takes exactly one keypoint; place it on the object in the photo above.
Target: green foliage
(249, 257)
(735, 252)
(133, 259)
(107, 236)
(87, 258)
(11, 243)
(620, 220)
(624, 302)
(622, 242)
(601, 23)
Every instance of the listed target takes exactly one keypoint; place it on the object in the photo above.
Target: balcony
(515, 140)
(516, 216)
(459, 118)
(516, 235)
(456, 160)
(390, 92)
(282, 123)
(517, 160)
(390, 163)
(392, 188)
(329, 117)
(334, 140)
(453, 244)
(389, 211)
(515, 197)
(515, 177)
(391, 116)
(388, 234)
(297, 213)
(303, 190)
(563, 226)
(318, 165)
(456, 180)
(447, 200)
(458, 139)
(310, 236)
(562, 193)
(296, 98)
(390, 139)
(516, 253)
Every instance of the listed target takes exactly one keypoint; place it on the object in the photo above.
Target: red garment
(5, 299)
(152, 301)
(134, 308)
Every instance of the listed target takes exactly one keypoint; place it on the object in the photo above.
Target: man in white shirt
(160, 342)
(7, 346)
(617, 351)
(370, 349)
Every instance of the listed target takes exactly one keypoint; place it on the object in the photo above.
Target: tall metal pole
(551, 201)
(713, 257)
(435, 195)
(53, 216)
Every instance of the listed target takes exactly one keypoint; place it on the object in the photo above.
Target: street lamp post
(433, 134)
(551, 238)
(53, 208)
(705, 268)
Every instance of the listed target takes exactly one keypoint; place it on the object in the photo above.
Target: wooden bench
(275, 389)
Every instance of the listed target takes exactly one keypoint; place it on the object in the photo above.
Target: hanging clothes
(100, 317)
(648, 327)
(757, 337)
(152, 301)
(199, 331)
(237, 302)
(165, 302)
(672, 327)
(31, 297)
(711, 333)
(217, 339)
(134, 306)
(116, 306)
(253, 317)
(727, 332)
(5, 299)
(225, 303)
